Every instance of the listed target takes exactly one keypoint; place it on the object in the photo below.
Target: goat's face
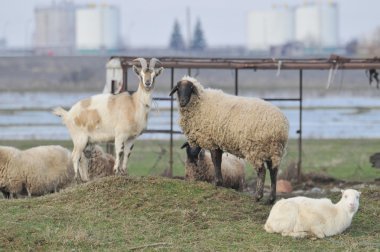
(192, 152)
(147, 74)
(185, 89)
(351, 199)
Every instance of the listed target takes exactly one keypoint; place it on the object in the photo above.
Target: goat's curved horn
(153, 62)
(143, 63)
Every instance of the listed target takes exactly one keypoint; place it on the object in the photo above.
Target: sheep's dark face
(192, 152)
(185, 89)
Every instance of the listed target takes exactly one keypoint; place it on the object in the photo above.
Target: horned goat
(302, 216)
(199, 167)
(248, 128)
(105, 117)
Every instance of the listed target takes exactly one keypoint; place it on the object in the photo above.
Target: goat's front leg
(79, 160)
(216, 156)
(119, 154)
(260, 183)
(128, 146)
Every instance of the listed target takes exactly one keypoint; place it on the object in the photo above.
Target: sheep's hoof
(258, 197)
(218, 183)
(270, 201)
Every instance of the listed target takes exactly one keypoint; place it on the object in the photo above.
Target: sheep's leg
(216, 156)
(128, 146)
(260, 183)
(273, 179)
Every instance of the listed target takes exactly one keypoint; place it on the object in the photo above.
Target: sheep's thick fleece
(232, 170)
(302, 216)
(249, 128)
(37, 170)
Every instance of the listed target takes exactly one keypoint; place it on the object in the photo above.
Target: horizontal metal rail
(271, 63)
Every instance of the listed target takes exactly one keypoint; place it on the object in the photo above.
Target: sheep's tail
(59, 111)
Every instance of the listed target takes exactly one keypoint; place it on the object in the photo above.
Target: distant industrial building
(312, 25)
(64, 28)
(270, 28)
(55, 27)
(317, 25)
(97, 28)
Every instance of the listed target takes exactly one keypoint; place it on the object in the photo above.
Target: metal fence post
(171, 124)
(299, 164)
(236, 81)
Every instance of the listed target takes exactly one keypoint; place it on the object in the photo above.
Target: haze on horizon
(149, 24)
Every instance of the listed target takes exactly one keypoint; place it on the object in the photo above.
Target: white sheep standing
(199, 167)
(248, 128)
(35, 171)
(302, 216)
(106, 117)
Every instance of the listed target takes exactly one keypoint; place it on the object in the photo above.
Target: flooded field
(27, 115)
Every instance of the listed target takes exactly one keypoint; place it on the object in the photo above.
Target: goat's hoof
(121, 173)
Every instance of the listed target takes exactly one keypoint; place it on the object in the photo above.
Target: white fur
(302, 216)
(121, 124)
(35, 171)
(45, 169)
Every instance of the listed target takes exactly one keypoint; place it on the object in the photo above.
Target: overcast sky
(149, 23)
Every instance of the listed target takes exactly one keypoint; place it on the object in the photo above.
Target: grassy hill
(121, 214)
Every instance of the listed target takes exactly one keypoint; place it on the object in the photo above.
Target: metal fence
(333, 63)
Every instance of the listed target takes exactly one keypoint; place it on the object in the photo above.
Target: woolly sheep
(248, 128)
(35, 171)
(301, 216)
(199, 167)
(106, 117)
(100, 163)
(45, 169)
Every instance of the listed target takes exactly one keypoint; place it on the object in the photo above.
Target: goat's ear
(136, 70)
(342, 191)
(184, 145)
(159, 71)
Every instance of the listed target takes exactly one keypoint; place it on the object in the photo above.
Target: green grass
(346, 159)
(120, 214)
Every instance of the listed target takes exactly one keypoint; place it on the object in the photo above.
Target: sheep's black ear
(175, 89)
(185, 145)
(136, 69)
(195, 90)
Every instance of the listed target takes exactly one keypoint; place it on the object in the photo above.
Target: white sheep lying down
(46, 169)
(36, 171)
(302, 216)
(199, 167)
